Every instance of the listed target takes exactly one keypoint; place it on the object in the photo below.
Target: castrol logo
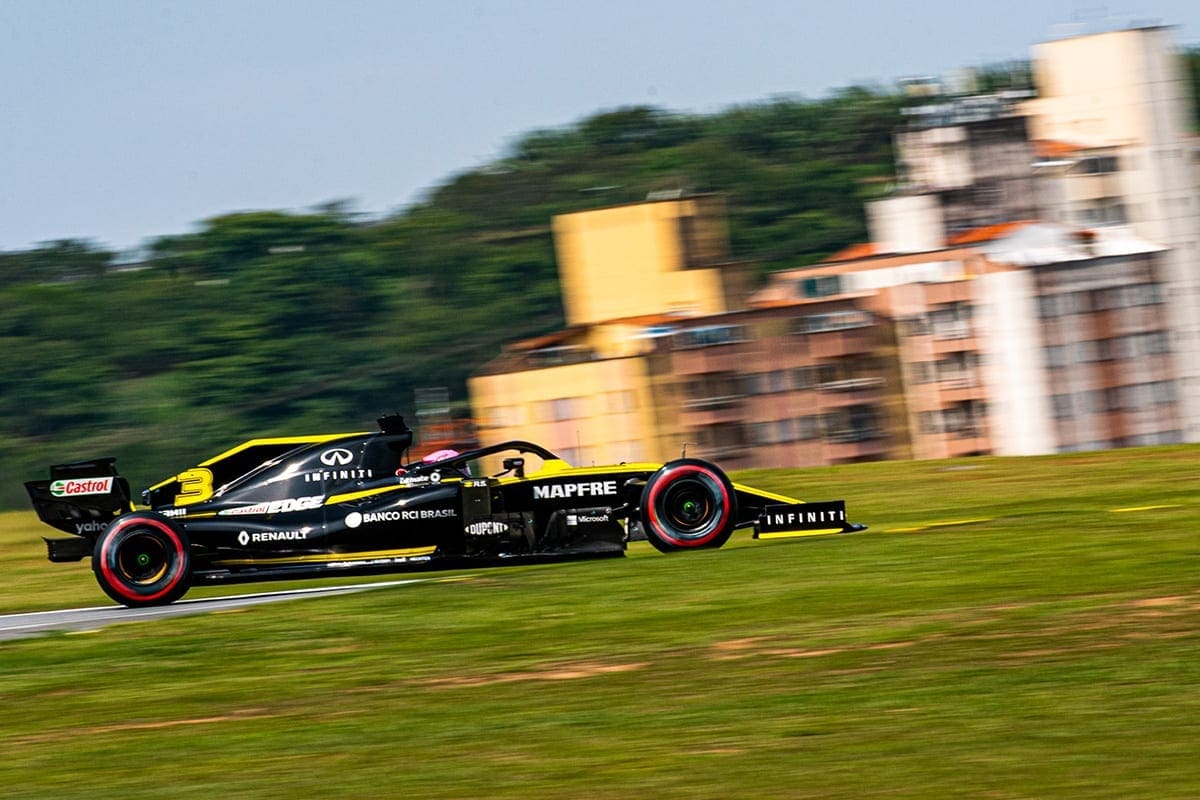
(81, 486)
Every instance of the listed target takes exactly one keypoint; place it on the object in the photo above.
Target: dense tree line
(273, 322)
(270, 322)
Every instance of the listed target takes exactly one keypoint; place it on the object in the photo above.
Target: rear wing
(81, 498)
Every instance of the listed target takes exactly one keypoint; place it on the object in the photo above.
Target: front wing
(804, 519)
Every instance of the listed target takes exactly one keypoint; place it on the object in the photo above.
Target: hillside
(271, 322)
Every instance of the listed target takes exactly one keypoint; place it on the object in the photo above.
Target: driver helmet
(438, 455)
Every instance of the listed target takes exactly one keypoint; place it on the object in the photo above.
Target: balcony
(966, 443)
(727, 452)
(709, 403)
(968, 431)
(853, 392)
(1082, 188)
(851, 436)
(716, 410)
(957, 329)
(706, 361)
(860, 450)
(851, 385)
(838, 343)
(558, 356)
(954, 395)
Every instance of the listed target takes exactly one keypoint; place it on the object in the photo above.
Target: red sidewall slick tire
(688, 504)
(143, 560)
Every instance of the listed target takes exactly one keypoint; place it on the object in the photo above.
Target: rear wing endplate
(82, 497)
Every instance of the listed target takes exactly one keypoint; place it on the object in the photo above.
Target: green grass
(1048, 651)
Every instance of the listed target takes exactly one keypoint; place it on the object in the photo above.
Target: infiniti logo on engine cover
(337, 457)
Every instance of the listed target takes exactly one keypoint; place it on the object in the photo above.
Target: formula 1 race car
(309, 506)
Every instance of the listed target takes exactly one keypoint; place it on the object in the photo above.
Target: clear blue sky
(122, 120)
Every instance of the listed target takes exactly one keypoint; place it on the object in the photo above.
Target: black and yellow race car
(309, 506)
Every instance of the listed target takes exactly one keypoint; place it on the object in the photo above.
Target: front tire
(143, 560)
(688, 504)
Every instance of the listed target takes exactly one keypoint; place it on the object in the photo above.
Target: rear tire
(688, 504)
(142, 559)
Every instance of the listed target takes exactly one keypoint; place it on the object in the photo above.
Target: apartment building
(1032, 288)
(591, 392)
(1109, 144)
(1121, 103)
(972, 153)
(662, 354)
(801, 383)
(1018, 338)
(1022, 338)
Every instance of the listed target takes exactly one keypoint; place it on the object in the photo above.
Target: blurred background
(776, 237)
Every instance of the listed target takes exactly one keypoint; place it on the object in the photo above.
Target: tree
(268, 322)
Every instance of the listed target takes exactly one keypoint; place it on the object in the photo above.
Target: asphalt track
(14, 626)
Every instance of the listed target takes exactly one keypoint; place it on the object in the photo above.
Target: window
(626, 452)
(758, 433)
(852, 424)
(987, 193)
(562, 408)
(754, 383)
(774, 432)
(915, 326)
(1162, 392)
(708, 336)
(951, 321)
(931, 421)
(1095, 165)
(1136, 345)
(1136, 397)
(823, 286)
(1145, 294)
(619, 402)
(833, 321)
(566, 354)
(956, 367)
(1111, 212)
(1062, 406)
(505, 416)
(802, 378)
(1157, 342)
(1086, 352)
(715, 390)
(923, 371)
(1138, 294)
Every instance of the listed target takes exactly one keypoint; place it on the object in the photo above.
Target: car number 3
(195, 486)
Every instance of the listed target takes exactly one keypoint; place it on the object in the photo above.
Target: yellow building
(644, 259)
(589, 392)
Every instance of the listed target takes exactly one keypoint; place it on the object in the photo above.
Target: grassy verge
(1045, 644)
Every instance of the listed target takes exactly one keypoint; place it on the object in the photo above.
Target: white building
(1121, 104)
